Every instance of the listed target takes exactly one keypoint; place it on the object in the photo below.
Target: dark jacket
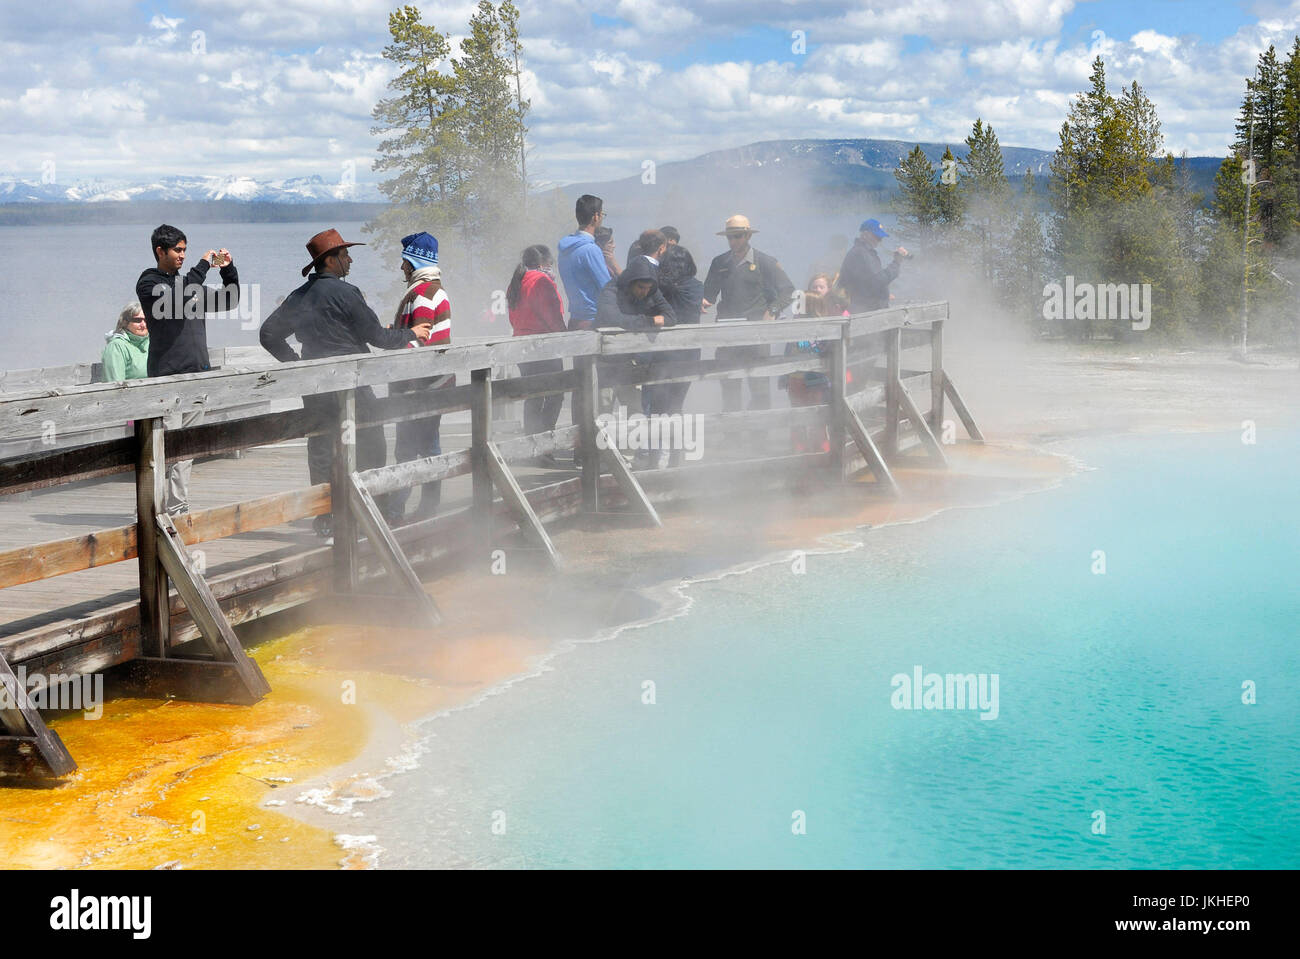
(176, 309)
(748, 289)
(330, 318)
(679, 286)
(866, 281)
(618, 307)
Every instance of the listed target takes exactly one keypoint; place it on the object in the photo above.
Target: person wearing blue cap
(425, 301)
(862, 276)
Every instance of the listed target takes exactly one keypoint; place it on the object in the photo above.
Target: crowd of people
(657, 286)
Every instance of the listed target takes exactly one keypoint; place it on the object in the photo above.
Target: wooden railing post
(585, 403)
(150, 500)
(345, 464)
(839, 389)
(893, 345)
(936, 376)
(480, 436)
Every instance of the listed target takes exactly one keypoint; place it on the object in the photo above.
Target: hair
(165, 236)
(651, 240)
(677, 265)
(127, 315)
(670, 233)
(830, 281)
(603, 235)
(587, 207)
(533, 258)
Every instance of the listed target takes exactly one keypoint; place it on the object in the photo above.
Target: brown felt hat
(322, 245)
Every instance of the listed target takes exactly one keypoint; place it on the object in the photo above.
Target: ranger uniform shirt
(747, 288)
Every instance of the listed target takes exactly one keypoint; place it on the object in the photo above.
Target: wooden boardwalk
(82, 478)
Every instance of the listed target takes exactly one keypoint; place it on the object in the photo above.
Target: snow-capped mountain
(197, 189)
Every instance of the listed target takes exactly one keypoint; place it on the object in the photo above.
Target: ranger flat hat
(737, 224)
(323, 244)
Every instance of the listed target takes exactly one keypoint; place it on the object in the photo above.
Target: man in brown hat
(746, 285)
(330, 318)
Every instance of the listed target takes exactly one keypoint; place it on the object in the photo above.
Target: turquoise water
(1119, 693)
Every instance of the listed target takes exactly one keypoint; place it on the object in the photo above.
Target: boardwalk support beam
(229, 676)
(367, 512)
(28, 748)
(627, 483)
(870, 452)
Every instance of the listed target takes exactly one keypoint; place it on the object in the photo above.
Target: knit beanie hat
(420, 250)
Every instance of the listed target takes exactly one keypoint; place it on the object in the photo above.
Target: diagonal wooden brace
(367, 512)
(627, 483)
(867, 447)
(505, 481)
(213, 625)
(922, 428)
(28, 748)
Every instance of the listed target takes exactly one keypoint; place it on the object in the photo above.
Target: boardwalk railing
(183, 644)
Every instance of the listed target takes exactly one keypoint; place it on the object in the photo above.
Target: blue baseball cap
(420, 250)
(874, 226)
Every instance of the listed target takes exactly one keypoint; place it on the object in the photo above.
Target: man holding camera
(862, 276)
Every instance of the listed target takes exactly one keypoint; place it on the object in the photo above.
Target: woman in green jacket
(126, 354)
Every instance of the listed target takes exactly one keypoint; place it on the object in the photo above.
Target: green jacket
(126, 357)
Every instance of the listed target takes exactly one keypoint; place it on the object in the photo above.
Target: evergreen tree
(1026, 260)
(917, 201)
(985, 198)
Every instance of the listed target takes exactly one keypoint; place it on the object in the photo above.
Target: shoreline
(329, 791)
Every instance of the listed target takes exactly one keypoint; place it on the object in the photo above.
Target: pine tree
(917, 202)
(422, 118)
(985, 196)
(1026, 260)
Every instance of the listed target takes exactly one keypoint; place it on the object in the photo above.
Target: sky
(278, 88)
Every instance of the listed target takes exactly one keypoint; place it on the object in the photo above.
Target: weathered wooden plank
(839, 380)
(912, 315)
(390, 553)
(28, 564)
(627, 483)
(530, 445)
(193, 680)
(150, 500)
(862, 400)
(693, 371)
(480, 458)
(892, 388)
(866, 446)
(719, 334)
(586, 454)
(30, 747)
(344, 465)
(958, 404)
(518, 503)
(58, 466)
(25, 413)
(935, 414)
(429, 469)
(207, 613)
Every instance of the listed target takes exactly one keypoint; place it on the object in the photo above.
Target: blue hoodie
(583, 271)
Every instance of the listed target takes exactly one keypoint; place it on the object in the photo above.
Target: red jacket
(538, 309)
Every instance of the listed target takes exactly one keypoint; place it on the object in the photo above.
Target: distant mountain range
(188, 189)
(779, 180)
(837, 167)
